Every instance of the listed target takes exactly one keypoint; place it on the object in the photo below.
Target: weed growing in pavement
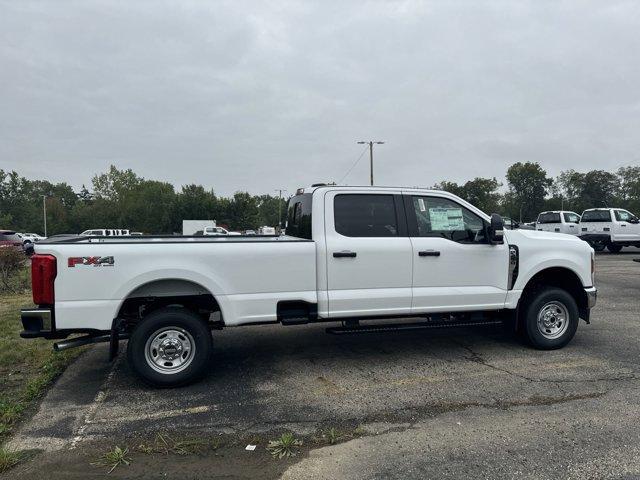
(165, 444)
(113, 459)
(332, 436)
(8, 459)
(286, 446)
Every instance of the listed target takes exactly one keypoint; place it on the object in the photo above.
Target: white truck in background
(612, 228)
(352, 253)
(190, 227)
(559, 221)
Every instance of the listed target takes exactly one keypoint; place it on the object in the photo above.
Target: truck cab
(558, 221)
(613, 228)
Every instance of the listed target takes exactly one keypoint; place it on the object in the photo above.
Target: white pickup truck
(613, 228)
(558, 221)
(351, 253)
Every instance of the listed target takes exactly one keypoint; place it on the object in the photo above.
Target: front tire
(171, 347)
(550, 318)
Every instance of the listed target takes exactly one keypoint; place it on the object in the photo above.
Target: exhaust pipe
(80, 341)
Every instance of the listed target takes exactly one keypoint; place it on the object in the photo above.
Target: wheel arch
(559, 277)
(162, 292)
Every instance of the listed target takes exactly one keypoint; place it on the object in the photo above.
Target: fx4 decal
(95, 261)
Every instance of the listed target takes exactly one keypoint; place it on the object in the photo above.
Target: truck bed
(247, 276)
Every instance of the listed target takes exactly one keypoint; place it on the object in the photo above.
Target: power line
(354, 165)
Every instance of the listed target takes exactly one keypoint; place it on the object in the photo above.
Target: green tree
(528, 186)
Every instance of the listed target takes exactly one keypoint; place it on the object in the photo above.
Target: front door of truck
(368, 254)
(455, 268)
(626, 227)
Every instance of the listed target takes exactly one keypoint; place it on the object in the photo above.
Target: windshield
(596, 216)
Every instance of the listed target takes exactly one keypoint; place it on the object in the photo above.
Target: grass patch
(27, 367)
(8, 459)
(113, 459)
(285, 446)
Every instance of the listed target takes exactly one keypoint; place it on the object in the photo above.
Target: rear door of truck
(368, 253)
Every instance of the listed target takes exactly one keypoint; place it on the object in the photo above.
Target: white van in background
(559, 221)
(613, 228)
(106, 232)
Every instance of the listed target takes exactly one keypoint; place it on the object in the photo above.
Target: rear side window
(571, 218)
(362, 215)
(299, 216)
(549, 217)
(596, 216)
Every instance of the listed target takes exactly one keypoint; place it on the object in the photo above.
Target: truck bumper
(592, 296)
(38, 322)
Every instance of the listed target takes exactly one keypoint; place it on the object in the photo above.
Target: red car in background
(9, 238)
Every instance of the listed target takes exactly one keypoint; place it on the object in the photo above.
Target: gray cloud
(239, 95)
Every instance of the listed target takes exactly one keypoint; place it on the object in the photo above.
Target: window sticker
(446, 219)
(421, 205)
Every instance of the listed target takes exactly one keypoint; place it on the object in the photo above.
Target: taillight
(43, 273)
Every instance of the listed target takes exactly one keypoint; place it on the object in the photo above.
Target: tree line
(530, 190)
(123, 199)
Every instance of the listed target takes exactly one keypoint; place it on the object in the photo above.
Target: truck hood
(513, 236)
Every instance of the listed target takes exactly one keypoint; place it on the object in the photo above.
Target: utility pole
(44, 210)
(280, 190)
(371, 155)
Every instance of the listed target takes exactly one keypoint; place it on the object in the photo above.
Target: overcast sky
(261, 95)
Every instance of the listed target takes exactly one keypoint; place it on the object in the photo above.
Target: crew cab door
(454, 266)
(368, 254)
(626, 228)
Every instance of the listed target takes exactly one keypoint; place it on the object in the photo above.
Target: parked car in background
(106, 232)
(612, 228)
(217, 231)
(31, 237)
(250, 232)
(559, 221)
(9, 238)
(511, 224)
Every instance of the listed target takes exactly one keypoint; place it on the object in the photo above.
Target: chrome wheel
(553, 320)
(170, 350)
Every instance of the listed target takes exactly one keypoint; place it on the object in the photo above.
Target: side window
(624, 216)
(571, 218)
(441, 217)
(362, 215)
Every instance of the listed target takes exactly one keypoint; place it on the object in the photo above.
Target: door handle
(344, 254)
(429, 253)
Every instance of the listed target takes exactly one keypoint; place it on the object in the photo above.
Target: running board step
(391, 327)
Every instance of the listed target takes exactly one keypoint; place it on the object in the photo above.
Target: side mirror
(634, 221)
(496, 230)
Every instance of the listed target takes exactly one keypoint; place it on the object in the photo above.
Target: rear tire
(613, 248)
(550, 318)
(171, 347)
(598, 247)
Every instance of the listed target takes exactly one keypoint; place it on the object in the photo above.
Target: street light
(44, 210)
(280, 190)
(371, 154)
